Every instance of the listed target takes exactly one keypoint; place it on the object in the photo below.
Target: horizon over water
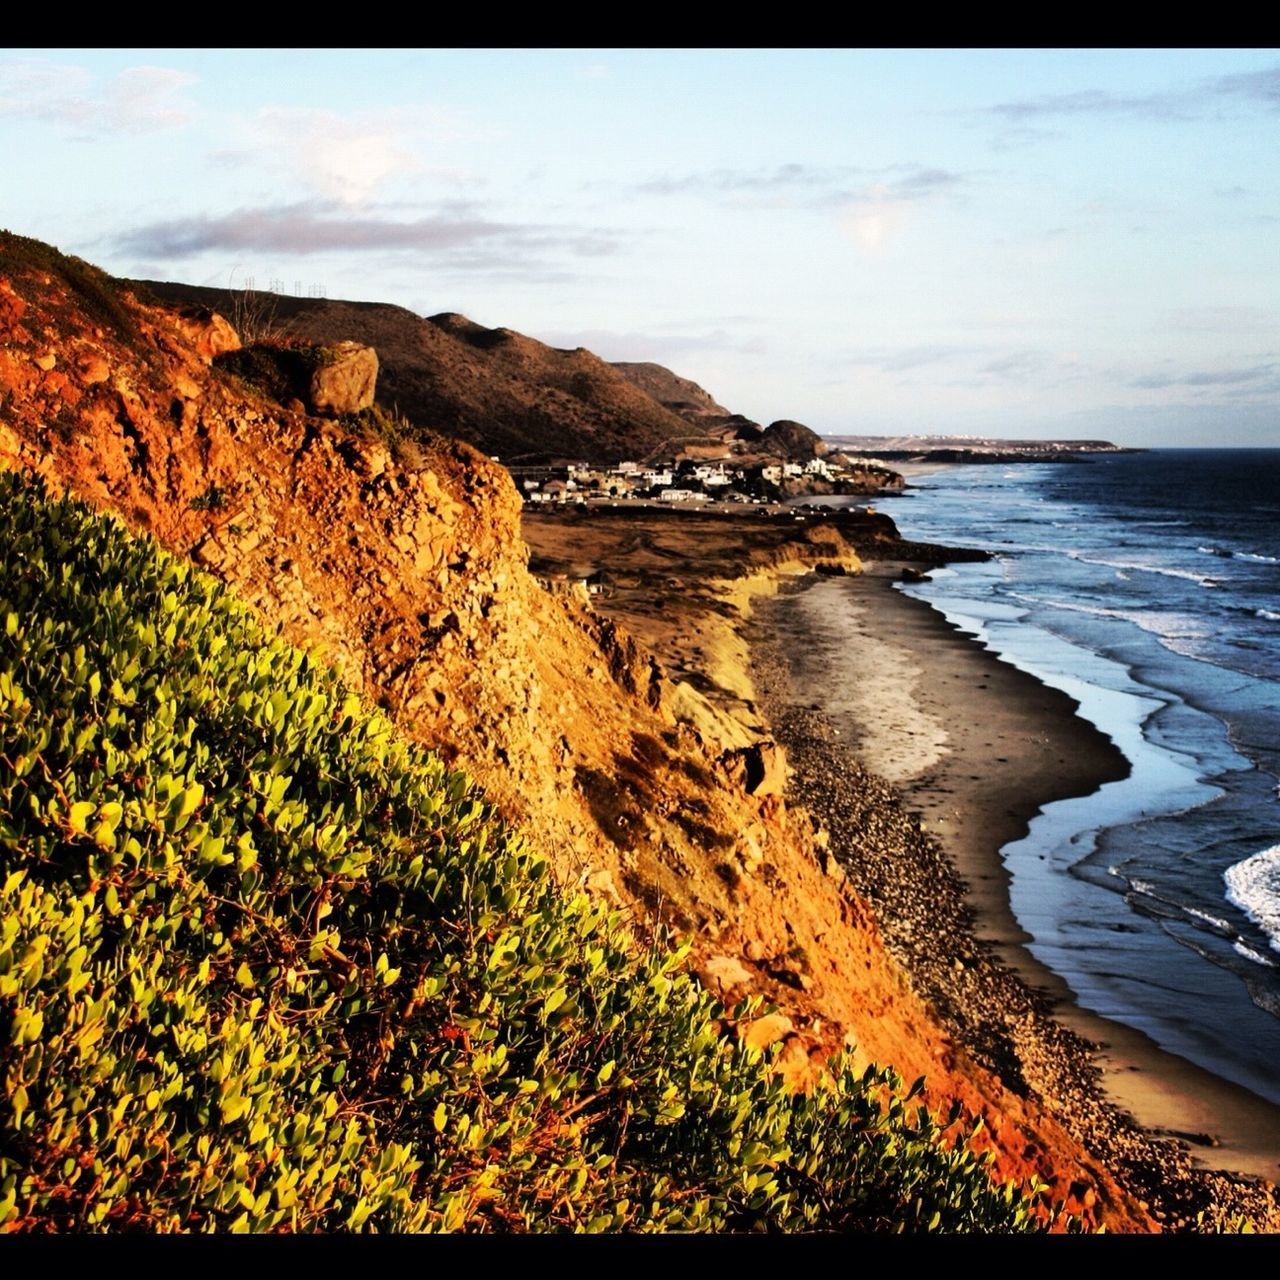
(1147, 586)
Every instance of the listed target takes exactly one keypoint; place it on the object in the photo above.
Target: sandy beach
(855, 676)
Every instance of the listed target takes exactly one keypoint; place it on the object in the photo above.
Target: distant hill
(972, 448)
(680, 395)
(791, 440)
(507, 394)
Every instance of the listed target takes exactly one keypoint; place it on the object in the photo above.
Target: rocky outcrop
(343, 380)
(759, 769)
(208, 333)
(791, 440)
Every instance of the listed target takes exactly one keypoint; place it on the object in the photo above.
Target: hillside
(504, 393)
(400, 562)
(266, 967)
(680, 395)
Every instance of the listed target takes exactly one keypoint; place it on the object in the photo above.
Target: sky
(1054, 244)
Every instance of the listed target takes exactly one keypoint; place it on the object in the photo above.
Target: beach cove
(733, 609)
(976, 748)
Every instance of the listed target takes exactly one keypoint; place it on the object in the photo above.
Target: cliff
(402, 563)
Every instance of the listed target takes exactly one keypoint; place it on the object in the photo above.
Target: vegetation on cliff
(266, 966)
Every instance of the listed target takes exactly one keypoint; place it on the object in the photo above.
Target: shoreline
(976, 748)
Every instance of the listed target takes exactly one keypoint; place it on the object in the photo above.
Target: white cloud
(344, 158)
(872, 220)
(136, 100)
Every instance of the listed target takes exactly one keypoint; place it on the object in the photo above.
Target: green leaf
(80, 814)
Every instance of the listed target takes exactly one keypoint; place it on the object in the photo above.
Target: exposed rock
(12, 308)
(345, 380)
(93, 369)
(208, 333)
(413, 582)
(760, 769)
(760, 1033)
(723, 973)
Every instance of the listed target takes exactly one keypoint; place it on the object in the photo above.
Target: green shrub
(266, 966)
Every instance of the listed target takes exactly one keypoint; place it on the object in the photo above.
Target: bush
(266, 966)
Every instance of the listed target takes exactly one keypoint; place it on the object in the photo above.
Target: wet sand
(975, 747)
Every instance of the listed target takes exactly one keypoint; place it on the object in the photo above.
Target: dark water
(1148, 587)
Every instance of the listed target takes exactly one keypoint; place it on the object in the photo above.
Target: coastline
(948, 991)
(975, 748)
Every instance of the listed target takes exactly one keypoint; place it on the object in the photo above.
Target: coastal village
(686, 481)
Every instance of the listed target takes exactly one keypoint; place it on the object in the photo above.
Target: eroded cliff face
(404, 567)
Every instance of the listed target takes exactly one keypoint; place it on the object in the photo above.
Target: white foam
(1168, 625)
(1250, 954)
(1238, 555)
(1268, 614)
(1166, 571)
(1213, 921)
(1254, 886)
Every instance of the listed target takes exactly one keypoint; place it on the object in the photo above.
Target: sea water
(1147, 586)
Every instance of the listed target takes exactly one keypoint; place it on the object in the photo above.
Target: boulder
(760, 1033)
(208, 332)
(723, 973)
(344, 380)
(760, 769)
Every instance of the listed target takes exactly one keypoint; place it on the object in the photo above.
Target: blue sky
(1040, 243)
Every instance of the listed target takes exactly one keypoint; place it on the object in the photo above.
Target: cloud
(1204, 378)
(772, 178)
(1091, 102)
(815, 185)
(1222, 319)
(322, 227)
(870, 221)
(1255, 88)
(1017, 365)
(594, 71)
(1258, 86)
(869, 213)
(905, 358)
(140, 99)
(345, 158)
(1017, 136)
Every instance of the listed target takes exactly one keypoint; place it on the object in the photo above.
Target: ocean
(1147, 586)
